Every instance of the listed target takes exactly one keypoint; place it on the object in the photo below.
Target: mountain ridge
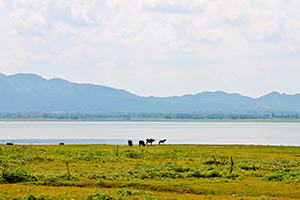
(31, 92)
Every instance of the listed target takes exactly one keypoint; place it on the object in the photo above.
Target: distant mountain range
(30, 93)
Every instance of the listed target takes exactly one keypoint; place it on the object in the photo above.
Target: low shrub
(33, 197)
(259, 174)
(212, 174)
(285, 175)
(205, 174)
(132, 154)
(176, 167)
(128, 191)
(51, 178)
(97, 195)
(230, 176)
(94, 176)
(1, 179)
(150, 196)
(247, 165)
(18, 175)
(279, 165)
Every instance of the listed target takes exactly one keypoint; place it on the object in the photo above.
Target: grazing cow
(61, 143)
(141, 142)
(9, 143)
(130, 143)
(162, 141)
(150, 140)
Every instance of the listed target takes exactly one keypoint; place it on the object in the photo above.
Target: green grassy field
(151, 172)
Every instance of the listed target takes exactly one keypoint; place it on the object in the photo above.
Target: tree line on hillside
(144, 115)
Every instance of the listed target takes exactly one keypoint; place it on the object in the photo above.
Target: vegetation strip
(155, 172)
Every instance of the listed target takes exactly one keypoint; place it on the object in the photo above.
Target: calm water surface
(174, 132)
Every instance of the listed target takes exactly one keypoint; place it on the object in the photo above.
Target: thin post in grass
(231, 167)
(117, 152)
(69, 175)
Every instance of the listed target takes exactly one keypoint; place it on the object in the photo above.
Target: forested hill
(30, 92)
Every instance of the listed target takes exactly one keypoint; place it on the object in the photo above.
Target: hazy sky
(156, 47)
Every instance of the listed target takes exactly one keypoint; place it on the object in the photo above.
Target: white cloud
(2, 5)
(80, 10)
(29, 15)
(156, 47)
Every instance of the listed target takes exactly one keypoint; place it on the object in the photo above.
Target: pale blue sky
(156, 47)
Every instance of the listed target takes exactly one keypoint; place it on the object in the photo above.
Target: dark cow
(130, 143)
(9, 143)
(141, 142)
(162, 141)
(150, 140)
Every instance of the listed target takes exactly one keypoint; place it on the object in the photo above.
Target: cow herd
(148, 141)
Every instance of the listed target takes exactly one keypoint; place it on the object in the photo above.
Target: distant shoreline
(274, 120)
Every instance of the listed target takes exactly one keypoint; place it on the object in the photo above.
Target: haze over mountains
(30, 92)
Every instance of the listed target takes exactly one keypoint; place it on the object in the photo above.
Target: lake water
(174, 132)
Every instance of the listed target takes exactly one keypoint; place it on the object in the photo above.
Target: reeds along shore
(154, 172)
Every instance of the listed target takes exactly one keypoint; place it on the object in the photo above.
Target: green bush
(18, 175)
(285, 175)
(277, 176)
(230, 176)
(247, 165)
(132, 154)
(1, 180)
(279, 165)
(205, 174)
(33, 197)
(128, 191)
(97, 176)
(97, 195)
(259, 174)
(176, 167)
